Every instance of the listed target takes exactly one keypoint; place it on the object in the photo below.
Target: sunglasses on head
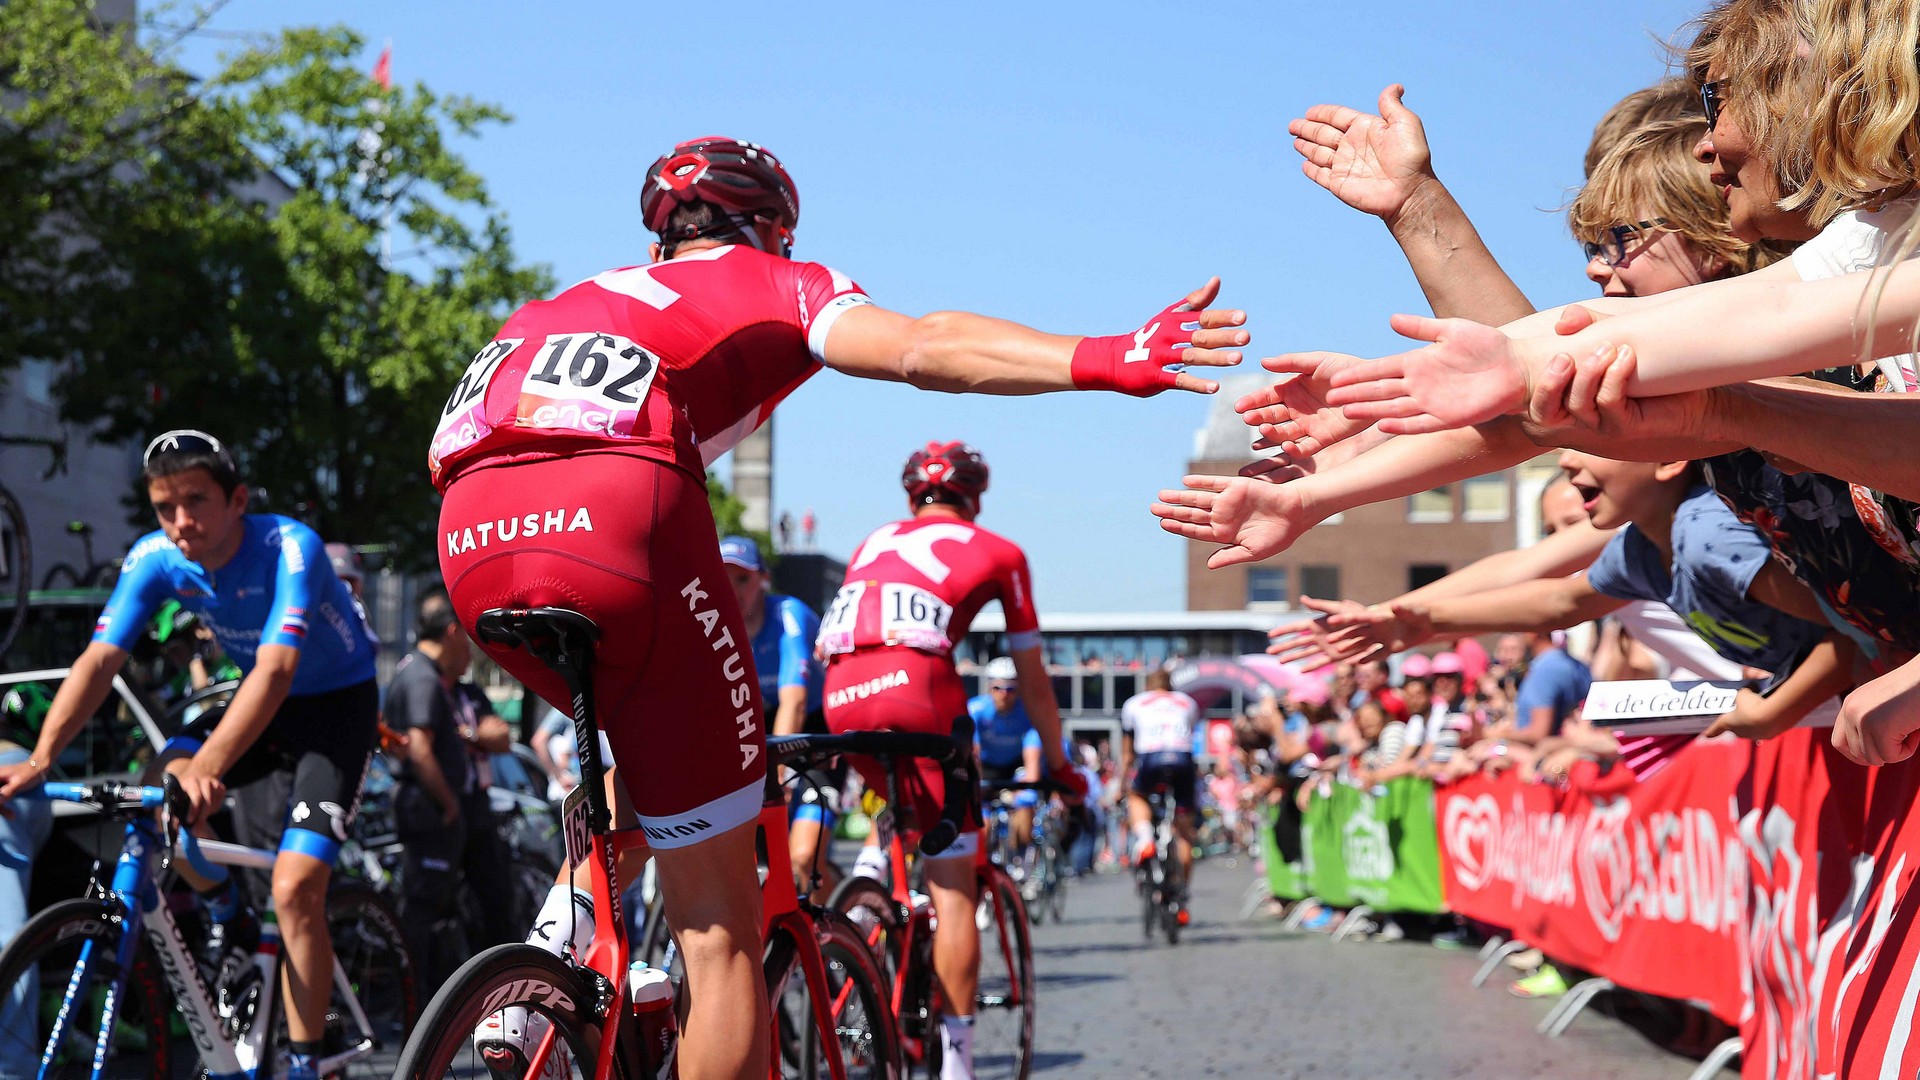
(1612, 247)
(184, 441)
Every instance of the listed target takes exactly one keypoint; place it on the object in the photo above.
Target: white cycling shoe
(507, 1039)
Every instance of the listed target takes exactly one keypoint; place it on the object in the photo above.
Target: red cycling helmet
(738, 177)
(950, 468)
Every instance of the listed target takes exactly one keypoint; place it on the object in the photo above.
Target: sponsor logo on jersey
(520, 527)
(915, 548)
(732, 668)
(102, 625)
(862, 690)
(290, 550)
(187, 592)
(294, 622)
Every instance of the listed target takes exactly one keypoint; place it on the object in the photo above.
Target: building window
(1423, 574)
(1267, 585)
(1487, 498)
(1320, 582)
(1431, 507)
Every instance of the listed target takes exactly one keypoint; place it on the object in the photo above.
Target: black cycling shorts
(316, 750)
(1176, 771)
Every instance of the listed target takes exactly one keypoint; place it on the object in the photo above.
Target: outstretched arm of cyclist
(85, 687)
(1036, 693)
(962, 352)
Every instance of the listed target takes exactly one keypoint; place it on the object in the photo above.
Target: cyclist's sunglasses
(1612, 247)
(1004, 687)
(1712, 97)
(185, 441)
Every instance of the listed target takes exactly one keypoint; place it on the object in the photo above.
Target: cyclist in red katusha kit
(911, 592)
(571, 456)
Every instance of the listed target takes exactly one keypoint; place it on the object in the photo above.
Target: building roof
(1225, 437)
(1145, 622)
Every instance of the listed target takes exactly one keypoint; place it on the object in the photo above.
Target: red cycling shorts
(630, 544)
(900, 689)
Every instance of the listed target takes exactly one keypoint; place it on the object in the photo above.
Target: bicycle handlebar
(120, 798)
(1047, 786)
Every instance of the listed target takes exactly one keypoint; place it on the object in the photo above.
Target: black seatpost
(574, 662)
(962, 786)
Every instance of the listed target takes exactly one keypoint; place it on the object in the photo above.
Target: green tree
(728, 514)
(212, 257)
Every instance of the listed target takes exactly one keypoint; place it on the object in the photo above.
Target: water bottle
(650, 996)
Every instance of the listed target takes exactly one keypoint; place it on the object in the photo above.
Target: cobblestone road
(1247, 999)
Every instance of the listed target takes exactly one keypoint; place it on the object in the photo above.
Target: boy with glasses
(305, 714)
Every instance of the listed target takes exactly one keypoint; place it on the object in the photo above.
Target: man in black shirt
(431, 808)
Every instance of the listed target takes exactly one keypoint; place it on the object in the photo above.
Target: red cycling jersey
(675, 361)
(918, 583)
(571, 453)
(912, 590)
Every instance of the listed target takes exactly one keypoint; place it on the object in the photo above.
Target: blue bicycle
(94, 987)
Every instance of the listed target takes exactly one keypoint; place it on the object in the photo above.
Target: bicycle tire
(864, 1025)
(881, 921)
(502, 977)
(1004, 1003)
(372, 950)
(13, 606)
(47, 948)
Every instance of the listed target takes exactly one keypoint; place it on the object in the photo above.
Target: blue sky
(1074, 166)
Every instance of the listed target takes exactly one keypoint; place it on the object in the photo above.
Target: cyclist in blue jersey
(782, 629)
(1009, 746)
(306, 711)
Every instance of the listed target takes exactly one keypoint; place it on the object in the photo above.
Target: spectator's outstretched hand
(1254, 520)
(1311, 641)
(1372, 163)
(1469, 375)
(1293, 414)
(1880, 722)
(1584, 404)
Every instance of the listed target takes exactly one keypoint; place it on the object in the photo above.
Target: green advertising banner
(1365, 848)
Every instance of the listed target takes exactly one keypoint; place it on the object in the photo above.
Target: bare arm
(254, 703)
(1797, 419)
(1456, 271)
(960, 352)
(791, 714)
(1826, 673)
(1775, 587)
(1036, 693)
(1565, 552)
(85, 687)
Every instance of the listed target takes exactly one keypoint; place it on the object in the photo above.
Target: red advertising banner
(1645, 885)
(1772, 882)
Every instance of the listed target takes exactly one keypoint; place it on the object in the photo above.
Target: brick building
(1371, 553)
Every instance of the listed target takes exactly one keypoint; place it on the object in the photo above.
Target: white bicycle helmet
(1001, 669)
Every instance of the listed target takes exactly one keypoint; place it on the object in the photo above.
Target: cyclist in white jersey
(1157, 733)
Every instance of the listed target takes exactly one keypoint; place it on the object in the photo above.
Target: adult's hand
(1293, 414)
(1311, 641)
(1253, 519)
(1468, 375)
(1750, 718)
(1372, 163)
(1584, 404)
(15, 778)
(1880, 722)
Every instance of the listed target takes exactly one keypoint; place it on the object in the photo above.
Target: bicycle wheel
(863, 1024)
(37, 983)
(1056, 891)
(17, 560)
(1004, 1003)
(505, 978)
(879, 919)
(373, 953)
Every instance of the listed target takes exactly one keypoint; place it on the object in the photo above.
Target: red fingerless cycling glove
(1136, 363)
(1072, 778)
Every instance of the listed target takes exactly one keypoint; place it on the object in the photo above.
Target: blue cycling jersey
(1002, 737)
(783, 651)
(278, 589)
